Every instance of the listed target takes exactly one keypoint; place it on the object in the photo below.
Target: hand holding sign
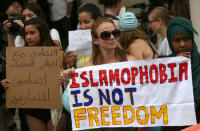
(132, 94)
(5, 83)
(33, 74)
(80, 42)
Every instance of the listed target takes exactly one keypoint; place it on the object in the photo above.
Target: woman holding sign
(87, 14)
(105, 50)
(36, 33)
(180, 35)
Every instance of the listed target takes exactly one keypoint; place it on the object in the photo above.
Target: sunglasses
(105, 35)
(151, 21)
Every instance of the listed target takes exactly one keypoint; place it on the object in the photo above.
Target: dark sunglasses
(106, 34)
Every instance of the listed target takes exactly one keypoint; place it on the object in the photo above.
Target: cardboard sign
(80, 41)
(33, 73)
(139, 93)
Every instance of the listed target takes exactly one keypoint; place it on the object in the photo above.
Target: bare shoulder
(138, 44)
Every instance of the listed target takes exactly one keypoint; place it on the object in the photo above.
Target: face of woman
(154, 24)
(107, 36)
(32, 35)
(181, 43)
(85, 20)
(28, 14)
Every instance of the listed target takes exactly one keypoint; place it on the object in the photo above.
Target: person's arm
(55, 37)
(11, 39)
(10, 36)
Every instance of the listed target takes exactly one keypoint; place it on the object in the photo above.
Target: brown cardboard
(33, 73)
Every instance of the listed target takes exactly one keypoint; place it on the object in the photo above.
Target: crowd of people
(114, 39)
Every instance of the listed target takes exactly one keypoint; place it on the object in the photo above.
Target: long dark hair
(41, 25)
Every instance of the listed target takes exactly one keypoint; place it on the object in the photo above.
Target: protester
(134, 40)
(105, 50)
(7, 122)
(87, 14)
(30, 10)
(36, 33)
(158, 20)
(180, 35)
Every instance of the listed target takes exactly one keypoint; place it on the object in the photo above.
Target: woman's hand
(5, 83)
(19, 22)
(7, 26)
(66, 75)
(70, 59)
(185, 54)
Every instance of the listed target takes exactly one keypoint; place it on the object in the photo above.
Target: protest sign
(143, 93)
(33, 74)
(80, 41)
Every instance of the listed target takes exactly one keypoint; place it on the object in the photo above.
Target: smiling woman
(105, 46)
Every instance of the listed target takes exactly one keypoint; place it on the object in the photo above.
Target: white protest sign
(80, 41)
(139, 93)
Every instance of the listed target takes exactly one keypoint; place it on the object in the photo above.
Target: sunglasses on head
(105, 35)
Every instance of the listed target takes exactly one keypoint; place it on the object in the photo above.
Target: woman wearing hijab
(180, 35)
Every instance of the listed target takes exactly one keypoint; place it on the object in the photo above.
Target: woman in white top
(30, 10)
(158, 20)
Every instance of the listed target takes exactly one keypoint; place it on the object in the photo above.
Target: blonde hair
(97, 58)
(162, 13)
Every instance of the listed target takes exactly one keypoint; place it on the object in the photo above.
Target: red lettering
(86, 83)
(134, 72)
(173, 78)
(144, 73)
(163, 74)
(155, 68)
(103, 77)
(114, 77)
(127, 71)
(183, 68)
(74, 84)
(91, 79)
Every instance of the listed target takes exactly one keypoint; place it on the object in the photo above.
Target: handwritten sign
(33, 73)
(139, 93)
(80, 41)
